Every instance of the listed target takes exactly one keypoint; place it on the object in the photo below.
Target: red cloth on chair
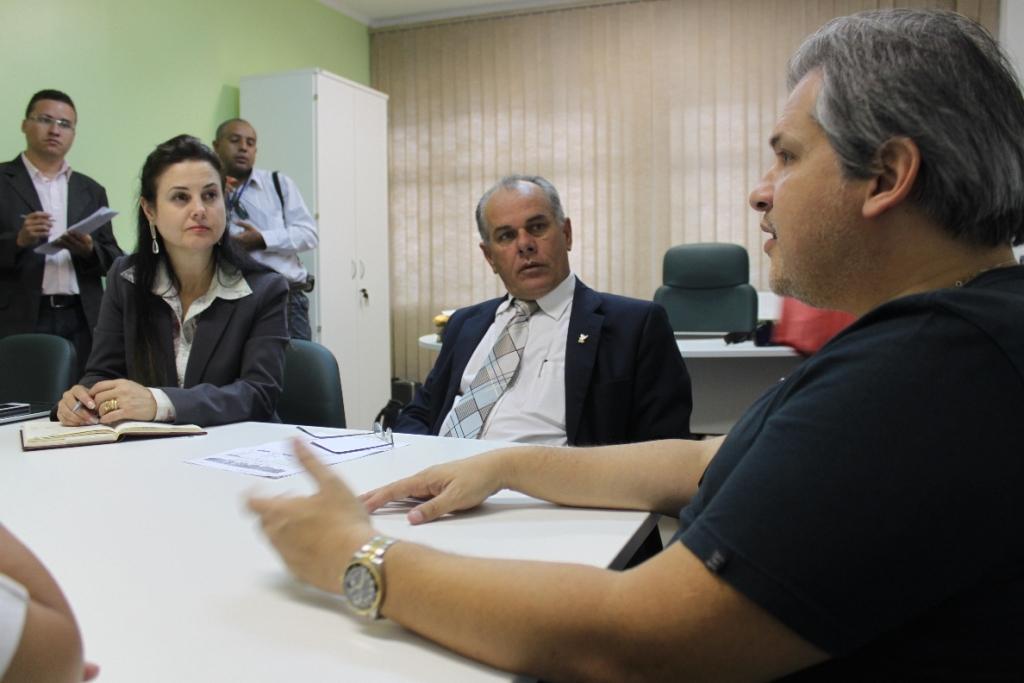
(806, 328)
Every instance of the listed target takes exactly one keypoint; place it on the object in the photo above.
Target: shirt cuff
(164, 407)
(272, 236)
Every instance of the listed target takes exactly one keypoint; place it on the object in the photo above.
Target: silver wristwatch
(363, 581)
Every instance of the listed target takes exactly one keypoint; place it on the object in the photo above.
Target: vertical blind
(650, 117)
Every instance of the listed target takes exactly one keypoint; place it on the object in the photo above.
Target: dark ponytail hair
(149, 364)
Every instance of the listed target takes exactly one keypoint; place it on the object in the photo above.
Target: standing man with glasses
(40, 196)
(268, 218)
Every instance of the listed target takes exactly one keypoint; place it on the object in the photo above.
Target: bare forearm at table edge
(666, 619)
(50, 647)
(658, 476)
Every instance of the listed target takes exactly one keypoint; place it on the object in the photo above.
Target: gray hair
(512, 182)
(941, 80)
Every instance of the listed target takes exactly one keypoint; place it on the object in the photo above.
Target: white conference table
(725, 378)
(171, 579)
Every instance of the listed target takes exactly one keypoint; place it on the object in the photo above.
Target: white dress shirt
(13, 608)
(226, 284)
(532, 409)
(285, 234)
(59, 272)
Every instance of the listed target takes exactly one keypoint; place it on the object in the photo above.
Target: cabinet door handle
(362, 269)
(353, 262)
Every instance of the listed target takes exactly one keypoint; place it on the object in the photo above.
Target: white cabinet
(330, 136)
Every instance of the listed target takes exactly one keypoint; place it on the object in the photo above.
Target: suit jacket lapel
(473, 330)
(209, 330)
(78, 199)
(19, 178)
(165, 334)
(580, 353)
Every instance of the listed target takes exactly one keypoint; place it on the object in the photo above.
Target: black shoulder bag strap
(284, 221)
(280, 195)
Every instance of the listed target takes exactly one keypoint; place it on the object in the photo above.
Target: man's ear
(567, 231)
(899, 162)
(486, 249)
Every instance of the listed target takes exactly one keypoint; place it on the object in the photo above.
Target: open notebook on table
(36, 435)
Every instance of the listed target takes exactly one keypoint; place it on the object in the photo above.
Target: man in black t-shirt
(863, 520)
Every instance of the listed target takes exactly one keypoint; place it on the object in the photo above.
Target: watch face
(360, 587)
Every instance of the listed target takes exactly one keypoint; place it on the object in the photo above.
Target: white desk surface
(725, 378)
(171, 579)
(690, 348)
(717, 348)
(430, 342)
(769, 305)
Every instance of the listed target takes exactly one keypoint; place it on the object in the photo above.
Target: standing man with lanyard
(40, 197)
(268, 218)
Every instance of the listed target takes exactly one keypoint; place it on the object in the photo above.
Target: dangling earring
(152, 234)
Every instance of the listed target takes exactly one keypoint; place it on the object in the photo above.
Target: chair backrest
(36, 368)
(706, 288)
(312, 387)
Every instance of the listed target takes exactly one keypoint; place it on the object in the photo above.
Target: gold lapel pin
(583, 339)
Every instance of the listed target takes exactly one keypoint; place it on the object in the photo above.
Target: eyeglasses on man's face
(48, 121)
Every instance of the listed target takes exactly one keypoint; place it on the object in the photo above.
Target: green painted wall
(141, 72)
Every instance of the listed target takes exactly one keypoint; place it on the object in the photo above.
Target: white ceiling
(378, 13)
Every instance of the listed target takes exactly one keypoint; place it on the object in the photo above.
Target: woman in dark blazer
(190, 330)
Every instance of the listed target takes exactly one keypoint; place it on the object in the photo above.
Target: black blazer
(21, 269)
(236, 368)
(628, 383)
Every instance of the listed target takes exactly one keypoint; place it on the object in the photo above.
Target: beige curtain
(651, 118)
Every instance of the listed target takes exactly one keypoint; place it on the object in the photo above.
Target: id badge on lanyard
(235, 202)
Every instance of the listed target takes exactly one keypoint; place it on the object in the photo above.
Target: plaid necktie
(497, 373)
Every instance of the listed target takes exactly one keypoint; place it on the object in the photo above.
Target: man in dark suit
(40, 197)
(592, 368)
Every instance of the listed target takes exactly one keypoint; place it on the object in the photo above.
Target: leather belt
(59, 301)
(305, 286)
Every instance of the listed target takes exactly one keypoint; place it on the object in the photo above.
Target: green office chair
(312, 387)
(36, 368)
(706, 288)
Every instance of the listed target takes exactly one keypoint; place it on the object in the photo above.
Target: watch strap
(374, 549)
